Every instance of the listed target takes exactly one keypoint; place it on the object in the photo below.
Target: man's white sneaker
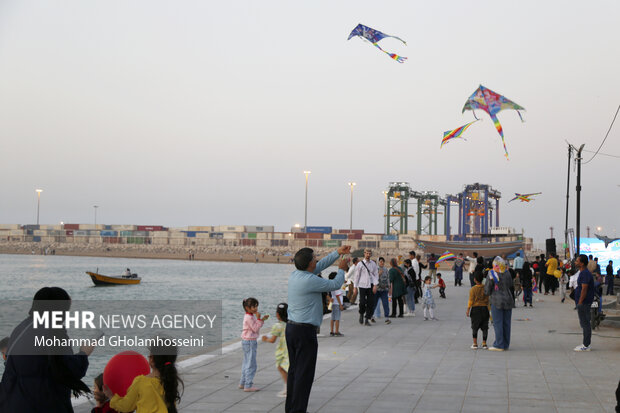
(582, 348)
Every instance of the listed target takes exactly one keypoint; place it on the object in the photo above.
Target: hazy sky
(207, 112)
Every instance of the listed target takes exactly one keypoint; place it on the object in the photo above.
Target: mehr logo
(61, 319)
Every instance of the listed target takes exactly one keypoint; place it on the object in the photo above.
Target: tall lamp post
(578, 218)
(95, 208)
(387, 219)
(306, 207)
(351, 184)
(38, 203)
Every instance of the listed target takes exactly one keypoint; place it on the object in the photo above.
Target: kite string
(606, 135)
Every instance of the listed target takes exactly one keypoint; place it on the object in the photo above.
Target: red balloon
(122, 369)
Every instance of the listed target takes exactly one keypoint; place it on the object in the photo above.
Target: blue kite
(374, 36)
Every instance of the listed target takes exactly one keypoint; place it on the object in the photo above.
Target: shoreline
(216, 253)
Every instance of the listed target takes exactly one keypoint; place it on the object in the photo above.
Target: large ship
(485, 248)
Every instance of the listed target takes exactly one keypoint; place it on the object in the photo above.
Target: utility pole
(578, 220)
(566, 249)
(551, 229)
(588, 231)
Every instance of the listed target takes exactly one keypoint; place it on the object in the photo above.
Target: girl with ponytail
(159, 391)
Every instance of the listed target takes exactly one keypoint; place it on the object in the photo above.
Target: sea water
(21, 276)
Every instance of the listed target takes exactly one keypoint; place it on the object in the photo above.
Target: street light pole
(351, 184)
(95, 207)
(578, 218)
(38, 203)
(387, 222)
(306, 207)
(566, 249)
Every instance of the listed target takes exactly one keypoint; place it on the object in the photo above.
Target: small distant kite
(491, 103)
(605, 239)
(524, 197)
(455, 134)
(445, 256)
(374, 36)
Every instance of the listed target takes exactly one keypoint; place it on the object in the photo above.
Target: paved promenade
(414, 365)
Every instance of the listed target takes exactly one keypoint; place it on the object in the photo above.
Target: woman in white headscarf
(498, 285)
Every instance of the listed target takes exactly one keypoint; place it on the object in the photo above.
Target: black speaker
(550, 246)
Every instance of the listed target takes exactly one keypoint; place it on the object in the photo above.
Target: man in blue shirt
(305, 313)
(584, 295)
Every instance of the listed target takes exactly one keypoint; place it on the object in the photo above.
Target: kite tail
(399, 59)
(498, 126)
(520, 117)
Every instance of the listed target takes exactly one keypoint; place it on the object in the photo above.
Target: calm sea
(22, 275)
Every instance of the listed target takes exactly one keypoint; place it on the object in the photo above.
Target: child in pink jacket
(252, 322)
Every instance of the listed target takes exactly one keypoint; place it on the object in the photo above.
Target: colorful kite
(491, 103)
(456, 133)
(374, 36)
(524, 197)
(445, 256)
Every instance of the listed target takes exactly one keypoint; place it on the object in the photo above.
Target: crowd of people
(46, 382)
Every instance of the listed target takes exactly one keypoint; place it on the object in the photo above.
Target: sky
(208, 112)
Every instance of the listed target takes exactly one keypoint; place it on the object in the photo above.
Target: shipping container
(88, 227)
(207, 228)
(40, 233)
(216, 235)
(230, 228)
(160, 241)
(339, 236)
(350, 231)
(16, 232)
(263, 228)
(279, 243)
(232, 235)
(107, 233)
(248, 243)
(124, 227)
(264, 235)
(367, 244)
(314, 243)
(135, 240)
(251, 235)
(80, 233)
(190, 234)
(354, 236)
(389, 237)
(69, 233)
(140, 234)
(388, 245)
(331, 243)
(10, 226)
(36, 238)
(208, 234)
(277, 235)
(127, 233)
(151, 228)
(369, 237)
(111, 240)
(31, 227)
(263, 243)
(72, 226)
(301, 235)
(320, 230)
(159, 234)
(314, 235)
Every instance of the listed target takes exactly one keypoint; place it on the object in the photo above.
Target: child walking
(157, 392)
(337, 308)
(428, 302)
(277, 330)
(442, 286)
(252, 322)
(478, 310)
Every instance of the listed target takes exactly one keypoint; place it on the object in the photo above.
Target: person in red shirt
(442, 286)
